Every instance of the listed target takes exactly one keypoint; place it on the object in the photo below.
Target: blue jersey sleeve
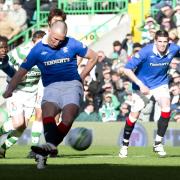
(30, 60)
(137, 59)
(81, 49)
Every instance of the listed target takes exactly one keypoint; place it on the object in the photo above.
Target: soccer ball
(80, 138)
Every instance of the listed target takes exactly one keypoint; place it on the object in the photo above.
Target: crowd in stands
(108, 96)
(107, 91)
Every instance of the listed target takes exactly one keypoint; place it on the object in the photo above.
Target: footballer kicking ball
(80, 138)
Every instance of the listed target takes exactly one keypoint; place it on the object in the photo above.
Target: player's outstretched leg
(11, 139)
(129, 126)
(51, 133)
(162, 127)
(36, 131)
(6, 127)
(42, 153)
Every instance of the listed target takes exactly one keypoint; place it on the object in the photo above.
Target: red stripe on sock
(165, 114)
(48, 120)
(63, 128)
(129, 123)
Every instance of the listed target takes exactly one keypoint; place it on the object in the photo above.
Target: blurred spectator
(175, 93)
(124, 94)
(88, 114)
(47, 5)
(8, 27)
(123, 112)
(106, 76)
(176, 77)
(108, 112)
(177, 116)
(165, 11)
(119, 53)
(127, 44)
(148, 30)
(173, 36)
(166, 24)
(30, 7)
(177, 15)
(102, 61)
(173, 67)
(177, 18)
(3, 6)
(18, 14)
(117, 82)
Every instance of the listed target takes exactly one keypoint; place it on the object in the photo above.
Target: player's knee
(19, 124)
(165, 109)
(133, 116)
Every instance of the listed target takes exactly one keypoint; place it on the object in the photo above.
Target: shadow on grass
(89, 172)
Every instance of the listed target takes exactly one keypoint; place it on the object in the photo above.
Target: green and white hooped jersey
(16, 57)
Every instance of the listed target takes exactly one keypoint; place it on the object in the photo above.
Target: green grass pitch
(95, 163)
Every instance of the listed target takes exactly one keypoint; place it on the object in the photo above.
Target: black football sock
(51, 131)
(63, 130)
(163, 123)
(129, 126)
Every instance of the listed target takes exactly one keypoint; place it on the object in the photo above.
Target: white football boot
(159, 149)
(123, 152)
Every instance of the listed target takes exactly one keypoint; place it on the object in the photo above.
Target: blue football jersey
(150, 67)
(58, 64)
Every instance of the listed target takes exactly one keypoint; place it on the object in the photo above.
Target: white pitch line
(110, 156)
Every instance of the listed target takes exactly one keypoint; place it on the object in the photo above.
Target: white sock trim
(158, 138)
(37, 126)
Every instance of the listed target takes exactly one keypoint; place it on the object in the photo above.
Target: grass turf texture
(96, 163)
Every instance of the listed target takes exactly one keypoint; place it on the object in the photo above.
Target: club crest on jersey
(170, 56)
(65, 49)
(84, 46)
(44, 53)
(137, 55)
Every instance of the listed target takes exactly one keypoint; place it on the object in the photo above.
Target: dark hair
(56, 12)
(37, 35)
(3, 39)
(2, 1)
(117, 43)
(129, 34)
(161, 33)
(136, 45)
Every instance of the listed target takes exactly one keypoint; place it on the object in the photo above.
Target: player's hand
(144, 90)
(7, 93)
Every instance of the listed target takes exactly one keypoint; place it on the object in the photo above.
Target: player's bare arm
(92, 60)
(14, 82)
(144, 89)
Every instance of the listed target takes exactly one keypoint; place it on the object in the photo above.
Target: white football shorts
(21, 102)
(139, 100)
